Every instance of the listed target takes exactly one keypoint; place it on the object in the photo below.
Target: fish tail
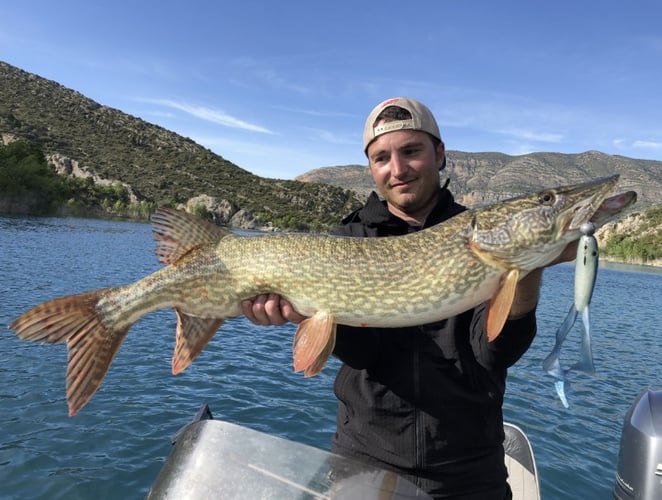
(91, 343)
(552, 363)
(585, 362)
(559, 385)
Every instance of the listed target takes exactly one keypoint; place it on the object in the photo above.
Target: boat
(521, 464)
(217, 459)
(639, 469)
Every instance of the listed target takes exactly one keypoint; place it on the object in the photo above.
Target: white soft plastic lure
(586, 268)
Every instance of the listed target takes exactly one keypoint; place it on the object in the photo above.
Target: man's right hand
(270, 310)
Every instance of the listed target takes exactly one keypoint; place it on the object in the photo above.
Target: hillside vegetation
(636, 238)
(28, 183)
(116, 164)
(160, 166)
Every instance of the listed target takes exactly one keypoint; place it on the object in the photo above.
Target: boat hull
(217, 459)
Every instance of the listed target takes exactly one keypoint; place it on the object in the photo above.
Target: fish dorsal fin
(177, 233)
(500, 304)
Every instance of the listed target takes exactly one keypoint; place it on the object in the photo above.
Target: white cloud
(212, 115)
(316, 113)
(532, 136)
(331, 137)
(647, 145)
(264, 71)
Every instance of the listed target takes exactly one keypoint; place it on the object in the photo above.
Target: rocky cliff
(483, 178)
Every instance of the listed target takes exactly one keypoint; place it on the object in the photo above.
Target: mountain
(165, 168)
(158, 165)
(481, 178)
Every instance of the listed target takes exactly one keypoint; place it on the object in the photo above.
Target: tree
(24, 172)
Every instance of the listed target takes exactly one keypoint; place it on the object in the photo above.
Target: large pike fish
(477, 256)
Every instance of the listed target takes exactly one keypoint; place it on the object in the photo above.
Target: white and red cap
(421, 119)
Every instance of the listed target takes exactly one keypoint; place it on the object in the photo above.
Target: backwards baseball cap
(421, 119)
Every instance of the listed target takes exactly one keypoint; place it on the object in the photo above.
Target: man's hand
(270, 310)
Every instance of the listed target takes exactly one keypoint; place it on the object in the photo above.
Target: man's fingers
(247, 310)
(289, 313)
(272, 310)
(264, 310)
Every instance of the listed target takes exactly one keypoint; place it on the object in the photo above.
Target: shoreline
(99, 214)
(617, 265)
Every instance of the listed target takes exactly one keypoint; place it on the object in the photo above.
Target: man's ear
(441, 156)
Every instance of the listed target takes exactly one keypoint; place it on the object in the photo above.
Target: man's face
(405, 167)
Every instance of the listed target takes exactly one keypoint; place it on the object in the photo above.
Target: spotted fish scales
(477, 256)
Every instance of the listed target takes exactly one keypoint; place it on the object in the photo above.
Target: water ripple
(116, 446)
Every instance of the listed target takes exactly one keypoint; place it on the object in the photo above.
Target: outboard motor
(639, 472)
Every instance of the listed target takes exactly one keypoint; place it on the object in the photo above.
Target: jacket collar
(375, 213)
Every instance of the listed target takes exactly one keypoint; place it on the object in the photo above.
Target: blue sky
(280, 88)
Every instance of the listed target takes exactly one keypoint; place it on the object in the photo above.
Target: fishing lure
(586, 268)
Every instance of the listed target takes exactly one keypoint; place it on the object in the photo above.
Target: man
(424, 401)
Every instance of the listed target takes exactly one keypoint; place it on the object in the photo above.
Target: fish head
(531, 231)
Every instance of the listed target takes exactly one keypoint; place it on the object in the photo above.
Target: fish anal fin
(92, 345)
(313, 344)
(500, 304)
(192, 336)
(177, 233)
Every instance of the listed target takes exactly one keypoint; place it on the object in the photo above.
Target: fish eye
(546, 198)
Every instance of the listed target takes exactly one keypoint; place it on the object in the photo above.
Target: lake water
(115, 447)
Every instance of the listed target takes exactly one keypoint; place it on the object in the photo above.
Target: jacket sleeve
(513, 341)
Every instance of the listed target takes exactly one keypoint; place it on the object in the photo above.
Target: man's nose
(398, 165)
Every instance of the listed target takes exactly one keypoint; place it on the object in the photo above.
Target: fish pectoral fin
(323, 357)
(91, 344)
(500, 304)
(313, 344)
(192, 336)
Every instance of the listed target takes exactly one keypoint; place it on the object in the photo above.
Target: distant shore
(101, 214)
(652, 266)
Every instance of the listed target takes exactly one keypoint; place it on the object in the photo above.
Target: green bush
(24, 171)
(201, 211)
(644, 245)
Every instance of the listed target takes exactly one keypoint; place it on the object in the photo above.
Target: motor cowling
(639, 471)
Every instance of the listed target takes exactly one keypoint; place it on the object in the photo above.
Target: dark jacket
(426, 401)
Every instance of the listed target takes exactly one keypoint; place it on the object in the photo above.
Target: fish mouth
(591, 203)
(612, 206)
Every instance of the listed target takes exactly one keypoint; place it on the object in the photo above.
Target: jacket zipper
(418, 427)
